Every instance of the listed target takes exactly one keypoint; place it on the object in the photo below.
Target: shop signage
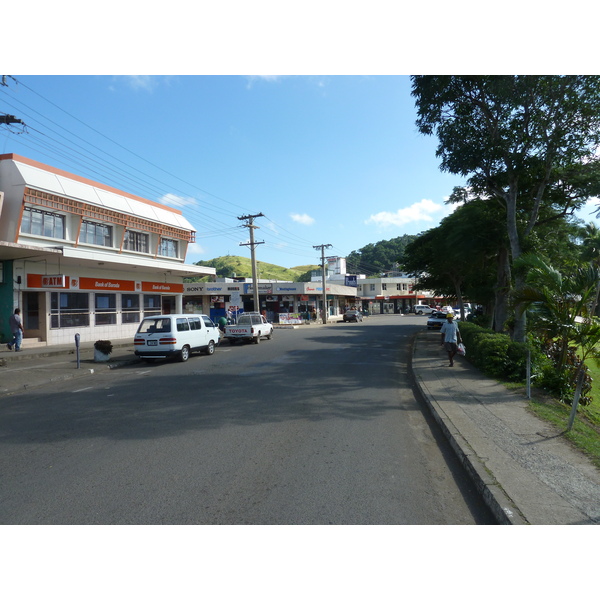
(47, 281)
(263, 288)
(54, 281)
(191, 289)
(115, 285)
(173, 288)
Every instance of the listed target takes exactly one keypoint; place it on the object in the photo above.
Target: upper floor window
(372, 287)
(399, 286)
(384, 286)
(40, 222)
(95, 233)
(168, 248)
(136, 241)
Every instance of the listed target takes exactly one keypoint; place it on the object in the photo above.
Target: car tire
(210, 349)
(257, 339)
(184, 354)
(270, 336)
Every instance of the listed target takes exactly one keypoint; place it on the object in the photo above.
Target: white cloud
(302, 219)
(177, 201)
(251, 79)
(425, 210)
(142, 82)
(194, 249)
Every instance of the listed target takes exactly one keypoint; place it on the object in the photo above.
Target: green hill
(239, 266)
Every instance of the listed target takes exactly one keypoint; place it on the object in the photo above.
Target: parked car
(423, 309)
(250, 327)
(437, 319)
(165, 336)
(353, 316)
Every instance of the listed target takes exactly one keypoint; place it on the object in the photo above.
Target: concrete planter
(100, 356)
(102, 350)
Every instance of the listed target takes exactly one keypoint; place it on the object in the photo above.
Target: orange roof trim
(102, 186)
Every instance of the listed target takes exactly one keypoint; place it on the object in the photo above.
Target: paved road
(317, 426)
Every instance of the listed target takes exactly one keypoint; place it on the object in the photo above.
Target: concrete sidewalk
(524, 468)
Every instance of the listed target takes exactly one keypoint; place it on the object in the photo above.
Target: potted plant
(102, 350)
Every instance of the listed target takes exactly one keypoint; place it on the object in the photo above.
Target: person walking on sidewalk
(16, 328)
(450, 337)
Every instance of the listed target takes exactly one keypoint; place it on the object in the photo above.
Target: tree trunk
(501, 291)
(519, 331)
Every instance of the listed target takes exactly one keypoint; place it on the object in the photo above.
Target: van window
(207, 321)
(194, 323)
(183, 325)
(155, 326)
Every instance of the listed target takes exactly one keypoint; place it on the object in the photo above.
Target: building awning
(117, 262)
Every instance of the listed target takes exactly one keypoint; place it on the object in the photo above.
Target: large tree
(526, 142)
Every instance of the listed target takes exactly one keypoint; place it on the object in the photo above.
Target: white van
(163, 336)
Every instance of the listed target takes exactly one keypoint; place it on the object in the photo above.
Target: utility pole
(251, 226)
(322, 248)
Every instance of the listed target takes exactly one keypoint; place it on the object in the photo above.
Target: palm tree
(562, 310)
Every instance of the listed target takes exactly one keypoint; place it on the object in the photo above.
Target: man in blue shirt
(450, 337)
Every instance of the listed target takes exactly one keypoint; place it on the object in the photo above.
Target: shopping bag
(462, 351)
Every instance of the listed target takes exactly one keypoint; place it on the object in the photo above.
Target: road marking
(82, 389)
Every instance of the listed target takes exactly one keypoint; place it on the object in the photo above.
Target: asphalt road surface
(319, 425)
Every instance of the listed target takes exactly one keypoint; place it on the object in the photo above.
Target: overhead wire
(75, 153)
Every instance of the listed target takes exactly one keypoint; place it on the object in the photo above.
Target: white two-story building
(78, 256)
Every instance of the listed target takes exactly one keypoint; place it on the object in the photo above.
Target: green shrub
(494, 353)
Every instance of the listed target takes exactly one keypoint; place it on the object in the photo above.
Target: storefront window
(69, 309)
(152, 305)
(106, 309)
(39, 222)
(130, 306)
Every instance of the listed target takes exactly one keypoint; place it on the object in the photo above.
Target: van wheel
(210, 349)
(184, 354)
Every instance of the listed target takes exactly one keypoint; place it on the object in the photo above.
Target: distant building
(275, 297)
(389, 293)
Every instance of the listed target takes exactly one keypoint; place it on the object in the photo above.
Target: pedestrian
(450, 337)
(16, 328)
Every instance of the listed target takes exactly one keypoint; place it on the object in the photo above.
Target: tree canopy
(527, 143)
(378, 257)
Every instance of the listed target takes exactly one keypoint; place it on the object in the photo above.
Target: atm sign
(53, 281)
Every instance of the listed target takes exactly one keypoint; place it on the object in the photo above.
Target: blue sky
(327, 159)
